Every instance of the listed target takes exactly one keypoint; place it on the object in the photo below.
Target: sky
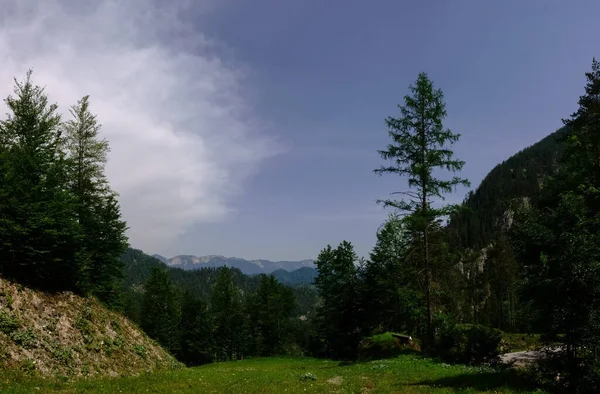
(251, 128)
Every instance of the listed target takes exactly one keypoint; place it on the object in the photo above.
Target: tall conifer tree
(37, 228)
(102, 238)
(339, 314)
(418, 148)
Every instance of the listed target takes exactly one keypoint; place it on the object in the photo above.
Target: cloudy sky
(250, 128)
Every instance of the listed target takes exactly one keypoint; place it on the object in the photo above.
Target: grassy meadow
(404, 374)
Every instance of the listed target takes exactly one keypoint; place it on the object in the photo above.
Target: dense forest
(521, 254)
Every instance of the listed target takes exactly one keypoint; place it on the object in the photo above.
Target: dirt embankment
(67, 335)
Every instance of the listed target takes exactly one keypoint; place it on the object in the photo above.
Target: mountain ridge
(249, 267)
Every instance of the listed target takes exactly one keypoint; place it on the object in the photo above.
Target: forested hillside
(301, 276)
(138, 268)
(519, 177)
(213, 314)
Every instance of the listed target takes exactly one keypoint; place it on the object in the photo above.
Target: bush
(24, 337)
(8, 323)
(466, 343)
(384, 346)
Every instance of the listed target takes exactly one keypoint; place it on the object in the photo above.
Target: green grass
(405, 374)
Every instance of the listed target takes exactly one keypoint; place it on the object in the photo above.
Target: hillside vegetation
(67, 335)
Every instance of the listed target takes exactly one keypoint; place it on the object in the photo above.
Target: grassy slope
(67, 335)
(405, 374)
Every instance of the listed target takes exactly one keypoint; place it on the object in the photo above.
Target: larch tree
(419, 147)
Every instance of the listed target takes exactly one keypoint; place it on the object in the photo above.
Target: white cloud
(183, 138)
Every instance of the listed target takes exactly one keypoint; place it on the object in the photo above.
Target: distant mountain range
(248, 267)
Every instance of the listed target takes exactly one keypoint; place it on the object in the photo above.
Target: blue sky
(326, 74)
(250, 128)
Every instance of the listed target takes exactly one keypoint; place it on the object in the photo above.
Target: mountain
(492, 273)
(248, 267)
(301, 276)
(519, 178)
(200, 281)
(161, 258)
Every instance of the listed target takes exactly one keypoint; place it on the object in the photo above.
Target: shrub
(63, 355)
(27, 366)
(384, 346)
(25, 338)
(8, 324)
(140, 350)
(466, 343)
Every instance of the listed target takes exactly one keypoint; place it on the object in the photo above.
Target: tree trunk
(424, 185)
(428, 292)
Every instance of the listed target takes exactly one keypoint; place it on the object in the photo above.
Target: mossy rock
(387, 345)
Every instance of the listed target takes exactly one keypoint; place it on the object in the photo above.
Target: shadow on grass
(483, 381)
(388, 354)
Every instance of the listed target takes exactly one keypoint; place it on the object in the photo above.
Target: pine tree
(37, 229)
(228, 320)
(271, 308)
(196, 339)
(102, 238)
(390, 290)
(418, 148)
(503, 273)
(339, 314)
(161, 310)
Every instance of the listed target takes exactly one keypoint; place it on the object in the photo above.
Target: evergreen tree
(196, 340)
(37, 229)
(161, 310)
(228, 320)
(390, 289)
(339, 314)
(503, 276)
(271, 309)
(558, 241)
(102, 238)
(418, 148)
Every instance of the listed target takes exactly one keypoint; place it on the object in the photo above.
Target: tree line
(229, 325)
